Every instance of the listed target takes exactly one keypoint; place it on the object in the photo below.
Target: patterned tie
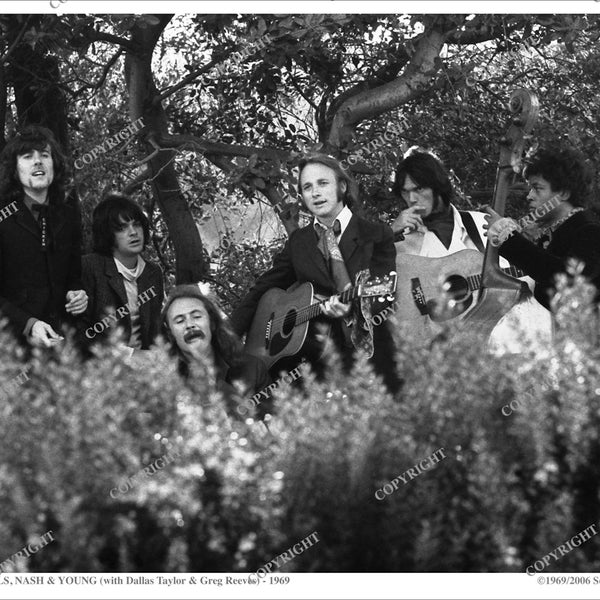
(332, 254)
(42, 219)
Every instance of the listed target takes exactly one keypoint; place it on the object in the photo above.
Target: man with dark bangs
(124, 290)
(40, 240)
(569, 231)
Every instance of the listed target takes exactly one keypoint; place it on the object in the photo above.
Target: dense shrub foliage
(511, 488)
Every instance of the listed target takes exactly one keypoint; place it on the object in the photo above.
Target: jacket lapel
(115, 280)
(349, 242)
(25, 219)
(308, 239)
(144, 281)
(57, 218)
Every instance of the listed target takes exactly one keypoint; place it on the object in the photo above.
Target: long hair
(349, 196)
(31, 137)
(427, 171)
(565, 169)
(106, 221)
(225, 343)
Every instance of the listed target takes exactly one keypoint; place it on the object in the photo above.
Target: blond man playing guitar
(329, 253)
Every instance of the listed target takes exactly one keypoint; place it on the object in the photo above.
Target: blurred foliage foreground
(235, 495)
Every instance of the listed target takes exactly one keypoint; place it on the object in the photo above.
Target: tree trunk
(190, 263)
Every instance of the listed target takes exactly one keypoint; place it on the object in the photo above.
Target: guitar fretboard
(474, 281)
(314, 310)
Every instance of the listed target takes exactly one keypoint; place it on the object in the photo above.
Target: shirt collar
(29, 202)
(458, 222)
(130, 274)
(343, 217)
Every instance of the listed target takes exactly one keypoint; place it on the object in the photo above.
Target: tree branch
(16, 40)
(99, 36)
(185, 81)
(137, 182)
(409, 85)
(208, 147)
(105, 71)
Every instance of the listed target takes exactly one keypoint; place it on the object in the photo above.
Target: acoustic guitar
(281, 320)
(438, 288)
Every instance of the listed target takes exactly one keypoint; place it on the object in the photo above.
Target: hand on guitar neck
(334, 308)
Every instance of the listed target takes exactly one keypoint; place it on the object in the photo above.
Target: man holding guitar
(568, 231)
(329, 253)
(432, 228)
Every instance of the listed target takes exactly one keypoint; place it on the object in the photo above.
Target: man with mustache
(200, 333)
(570, 231)
(125, 291)
(40, 239)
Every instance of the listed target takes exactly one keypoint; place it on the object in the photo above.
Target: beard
(193, 334)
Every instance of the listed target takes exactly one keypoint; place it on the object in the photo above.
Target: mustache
(193, 334)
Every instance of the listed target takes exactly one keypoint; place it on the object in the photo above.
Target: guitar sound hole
(289, 322)
(456, 288)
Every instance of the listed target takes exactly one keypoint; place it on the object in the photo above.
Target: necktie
(42, 219)
(332, 254)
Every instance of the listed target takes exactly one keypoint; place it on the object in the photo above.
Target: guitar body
(282, 319)
(420, 294)
(274, 333)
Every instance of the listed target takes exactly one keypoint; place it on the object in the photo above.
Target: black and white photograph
(299, 304)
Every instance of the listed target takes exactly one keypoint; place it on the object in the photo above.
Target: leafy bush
(511, 488)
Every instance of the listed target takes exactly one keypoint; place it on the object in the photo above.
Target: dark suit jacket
(34, 283)
(578, 237)
(106, 292)
(363, 245)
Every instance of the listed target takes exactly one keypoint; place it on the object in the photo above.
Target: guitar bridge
(418, 296)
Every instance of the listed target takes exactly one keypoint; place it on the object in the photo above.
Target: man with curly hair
(569, 231)
(40, 239)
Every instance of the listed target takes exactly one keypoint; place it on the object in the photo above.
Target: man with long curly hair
(569, 231)
(199, 332)
(40, 239)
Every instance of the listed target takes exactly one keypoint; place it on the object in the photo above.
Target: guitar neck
(474, 281)
(314, 310)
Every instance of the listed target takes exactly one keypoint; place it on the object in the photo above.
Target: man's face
(129, 239)
(321, 192)
(35, 169)
(189, 323)
(415, 195)
(540, 191)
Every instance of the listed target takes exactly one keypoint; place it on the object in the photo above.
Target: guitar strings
(307, 310)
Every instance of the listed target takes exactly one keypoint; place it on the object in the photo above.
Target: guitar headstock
(384, 287)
